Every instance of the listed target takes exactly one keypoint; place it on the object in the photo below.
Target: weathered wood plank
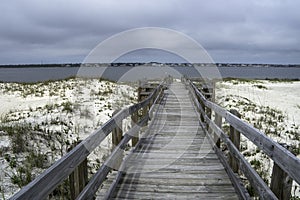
(180, 132)
(175, 195)
(44, 184)
(179, 160)
(195, 139)
(173, 168)
(117, 132)
(152, 112)
(174, 144)
(164, 188)
(284, 158)
(218, 122)
(78, 178)
(93, 185)
(255, 180)
(176, 155)
(205, 175)
(236, 181)
(281, 156)
(188, 162)
(185, 180)
(235, 137)
(174, 164)
(281, 183)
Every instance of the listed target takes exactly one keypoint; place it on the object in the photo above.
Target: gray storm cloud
(258, 31)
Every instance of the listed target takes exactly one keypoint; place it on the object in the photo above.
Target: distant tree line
(151, 63)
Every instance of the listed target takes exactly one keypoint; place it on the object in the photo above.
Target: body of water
(36, 74)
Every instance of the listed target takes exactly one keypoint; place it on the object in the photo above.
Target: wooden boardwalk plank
(164, 188)
(174, 195)
(175, 160)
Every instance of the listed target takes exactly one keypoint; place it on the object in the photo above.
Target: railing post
(213, 98)
(235, 138)
(135, 116)
(203, 107)
(117, 132)
(134, 120)
(208, 114)
(281, 183)
(218, 122)
(79, 177)
(206, 89)
(152, 100)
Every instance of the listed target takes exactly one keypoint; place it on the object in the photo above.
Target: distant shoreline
(153, 64)
(117, 71)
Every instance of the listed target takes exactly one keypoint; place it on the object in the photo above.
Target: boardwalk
(174, 160)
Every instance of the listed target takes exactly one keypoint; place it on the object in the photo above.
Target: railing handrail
(93, 185)
(46, 182)
(112, 161)
(280, 155)
(259, 185)
(283, 159)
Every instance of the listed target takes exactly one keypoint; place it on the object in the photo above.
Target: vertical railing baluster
(79, 177)
(117, 133)
(218, 122)
(281, 183)
(235, 138)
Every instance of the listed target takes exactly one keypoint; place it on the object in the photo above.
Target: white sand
(281, 96)
(95, 101)
(284, 96)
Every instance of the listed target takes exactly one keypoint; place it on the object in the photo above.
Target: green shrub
(67, 106)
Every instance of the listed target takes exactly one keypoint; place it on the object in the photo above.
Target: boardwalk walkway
(174, 160)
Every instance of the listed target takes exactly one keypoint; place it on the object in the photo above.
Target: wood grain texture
(281, 156)
(45, 183)
(174, 160)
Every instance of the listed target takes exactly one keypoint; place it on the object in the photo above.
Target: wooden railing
(45, 183)
(286, 165)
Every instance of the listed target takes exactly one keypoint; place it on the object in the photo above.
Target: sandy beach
(69, 110)
(271, 106)
(55, 114)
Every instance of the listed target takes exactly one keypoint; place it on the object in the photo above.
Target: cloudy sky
(56, 31)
